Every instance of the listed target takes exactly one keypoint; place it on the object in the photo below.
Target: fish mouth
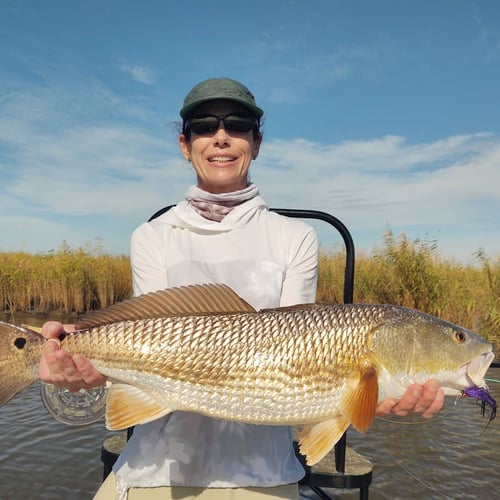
(473, 372)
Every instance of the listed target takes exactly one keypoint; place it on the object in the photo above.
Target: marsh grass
(413, 274)
(65, 280)
(402, 272)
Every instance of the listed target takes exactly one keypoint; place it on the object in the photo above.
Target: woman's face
(221, 159)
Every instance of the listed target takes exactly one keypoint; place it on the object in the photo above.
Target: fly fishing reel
(74, 408)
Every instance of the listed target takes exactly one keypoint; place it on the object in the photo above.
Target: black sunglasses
(208, 124)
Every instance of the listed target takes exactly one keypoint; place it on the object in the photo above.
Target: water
(42, 458)
(450, 456)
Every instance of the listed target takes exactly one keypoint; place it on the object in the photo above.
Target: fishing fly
(483, 399)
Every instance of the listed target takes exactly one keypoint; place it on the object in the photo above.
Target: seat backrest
(318, 215)
(346, 236)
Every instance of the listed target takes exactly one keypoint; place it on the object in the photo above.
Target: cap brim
(187, 111)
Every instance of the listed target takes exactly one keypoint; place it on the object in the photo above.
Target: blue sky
(384, 113)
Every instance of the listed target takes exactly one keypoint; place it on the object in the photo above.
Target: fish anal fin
(180, 301)
(317, 440)
(127, 406)
(360, 404)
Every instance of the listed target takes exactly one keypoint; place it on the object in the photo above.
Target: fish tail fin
(20, 350)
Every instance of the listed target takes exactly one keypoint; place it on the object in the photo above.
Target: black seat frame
(338, 478)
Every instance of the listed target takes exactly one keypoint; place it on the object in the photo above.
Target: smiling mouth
(221, 159)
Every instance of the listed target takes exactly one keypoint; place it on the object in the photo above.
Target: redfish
(204, 349)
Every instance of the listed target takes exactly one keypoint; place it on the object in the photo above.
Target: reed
(402, 272)
(413, 274)
(65, 280)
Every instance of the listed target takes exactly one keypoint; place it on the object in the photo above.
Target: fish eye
(20, 342)
(460, 336)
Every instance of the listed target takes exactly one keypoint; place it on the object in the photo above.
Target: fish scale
(276, 358)
(203, 349)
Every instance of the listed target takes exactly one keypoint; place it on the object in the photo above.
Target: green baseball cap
(219, 88)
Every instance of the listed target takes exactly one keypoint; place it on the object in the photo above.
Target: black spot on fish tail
(20, 342)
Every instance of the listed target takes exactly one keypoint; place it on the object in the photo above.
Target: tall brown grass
(403, 272)
(65, 280)
(413, 274)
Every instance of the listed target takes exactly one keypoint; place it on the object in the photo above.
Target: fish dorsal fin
(360, 404)
(180, 301)
(317, 440)
(127, 405)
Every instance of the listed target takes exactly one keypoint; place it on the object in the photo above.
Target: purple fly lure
(484, 399)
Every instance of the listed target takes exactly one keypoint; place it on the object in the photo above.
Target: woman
(222, 233)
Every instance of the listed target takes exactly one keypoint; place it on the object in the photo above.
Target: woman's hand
(58, 367)
(427, 399)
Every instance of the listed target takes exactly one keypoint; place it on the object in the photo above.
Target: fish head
(411, 346)
(20, 350)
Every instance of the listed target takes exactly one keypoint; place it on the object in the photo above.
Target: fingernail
(51, 342)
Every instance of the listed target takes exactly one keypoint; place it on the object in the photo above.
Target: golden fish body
(205, 350)
(261, 368)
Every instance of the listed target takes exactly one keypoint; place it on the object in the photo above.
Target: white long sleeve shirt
(268, 260)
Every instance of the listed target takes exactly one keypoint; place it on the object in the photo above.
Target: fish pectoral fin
(317, 440)
(127, 406)
(360, 404)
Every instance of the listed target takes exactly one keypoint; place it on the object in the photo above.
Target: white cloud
(441, 187)
(138, 73)
(78, 155)
(74, 182)
(94, 170)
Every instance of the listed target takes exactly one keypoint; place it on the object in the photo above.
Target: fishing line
(399, 422)
(492, 380)
(421, 481)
